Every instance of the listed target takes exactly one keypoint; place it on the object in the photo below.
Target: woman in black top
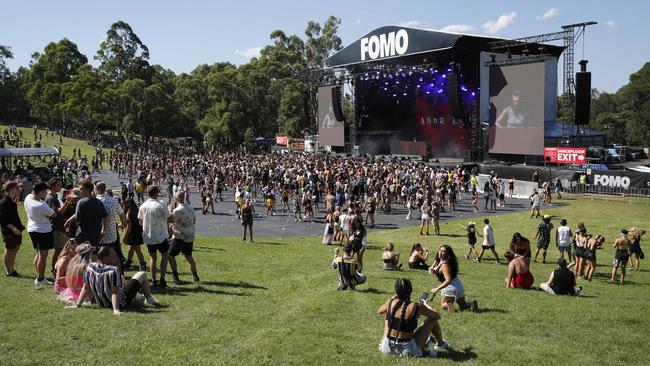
(471, 238)
(562, 281)
(133, 234)
(402, 336)
(11, 226)
(247, 219)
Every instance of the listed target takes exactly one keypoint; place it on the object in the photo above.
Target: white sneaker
(38, 284)
(432, 354)
(444, 345)
(46, 282)
(151, 301)
(139, 298)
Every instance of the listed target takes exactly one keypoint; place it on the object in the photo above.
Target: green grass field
(66, 148)
(274, 303)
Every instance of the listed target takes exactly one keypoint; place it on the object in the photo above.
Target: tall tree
(122, 55)
(57, 65)
(87, 98)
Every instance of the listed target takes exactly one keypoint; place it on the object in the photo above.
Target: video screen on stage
(516, 109)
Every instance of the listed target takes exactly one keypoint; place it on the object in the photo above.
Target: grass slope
(66, 148)
(274, 303)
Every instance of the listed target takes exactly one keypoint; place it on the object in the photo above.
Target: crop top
(407, 325)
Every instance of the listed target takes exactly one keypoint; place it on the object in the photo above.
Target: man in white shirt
(39, 228)
(344, 219)
(488, 242)
(110, 236)
(563, 236)
(183, 240)
(154, 217)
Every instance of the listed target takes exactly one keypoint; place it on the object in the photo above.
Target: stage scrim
(331, 131)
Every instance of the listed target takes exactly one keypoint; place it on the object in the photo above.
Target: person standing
(622, 244)
(543, 237)
(110, 236)
(534, 203)
(40, 230)
(183, 239)
(58, 229)
(488, 242)
(11, 227)
(563, 237)
(154, 218)
(247, 219)
(89, 215)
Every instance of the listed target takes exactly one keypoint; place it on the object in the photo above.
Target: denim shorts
(402, 349)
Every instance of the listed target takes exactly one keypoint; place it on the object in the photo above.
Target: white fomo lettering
(611, 181)
(385, 45)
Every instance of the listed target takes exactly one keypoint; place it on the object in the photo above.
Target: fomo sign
(384, 45)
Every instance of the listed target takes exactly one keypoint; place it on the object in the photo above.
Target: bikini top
(405, 325)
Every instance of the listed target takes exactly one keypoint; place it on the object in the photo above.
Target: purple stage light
(428, 92)
(385, 89)
(473, 94)
(397, 82)
(444, 75)
(405, 94)
(418, 86)
(440, 91)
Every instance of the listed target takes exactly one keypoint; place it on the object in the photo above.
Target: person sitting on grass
(451, 288)
(347, 266)
(402, 336)
(391, 258)
(61, 266)
(74, 275)
(519, 275)
(109, 288)
(418, 257)
(562, 281)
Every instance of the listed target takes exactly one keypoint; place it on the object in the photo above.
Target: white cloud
(457, 28)
(610, 23)
(249, 53)
(411, 23)
(493, 26)
(550, 13)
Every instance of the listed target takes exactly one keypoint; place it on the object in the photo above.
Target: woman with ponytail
(402, 336)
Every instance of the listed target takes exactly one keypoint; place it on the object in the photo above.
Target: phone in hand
(424, 296)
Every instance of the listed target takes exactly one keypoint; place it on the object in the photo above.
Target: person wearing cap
(622, 244)
(39, 228)
(58, 230)
(543, 237)
(11, 227)
(154, 218)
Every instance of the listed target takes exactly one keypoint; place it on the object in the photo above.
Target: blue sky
(183, 34)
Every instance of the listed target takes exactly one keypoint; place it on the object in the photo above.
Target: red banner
(282, 140)
(565, 155)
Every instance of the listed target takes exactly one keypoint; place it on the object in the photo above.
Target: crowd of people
(84, 224)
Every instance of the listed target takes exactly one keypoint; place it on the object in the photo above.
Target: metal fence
(609, 191)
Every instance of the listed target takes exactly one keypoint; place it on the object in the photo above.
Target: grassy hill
(66, 147)
(274, 303)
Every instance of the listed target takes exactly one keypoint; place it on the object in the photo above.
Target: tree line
(225, 103)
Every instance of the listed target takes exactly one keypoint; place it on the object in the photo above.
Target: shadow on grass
(489, 310)
(182, 291)
(233, 284)
(372, 290)
(458, 355)
(208, 249)
(452, 235)
(267, 243)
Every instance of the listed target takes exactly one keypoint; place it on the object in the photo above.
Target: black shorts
(580, 252)
(357, 246)
(42, 241)
(635, 249)
(590, 255)
(487, 246)
(179, 246)
(502, 196)
(12, 241)
(162, 247)
(129, 290)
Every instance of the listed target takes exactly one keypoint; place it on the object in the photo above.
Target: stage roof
(391, 42)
